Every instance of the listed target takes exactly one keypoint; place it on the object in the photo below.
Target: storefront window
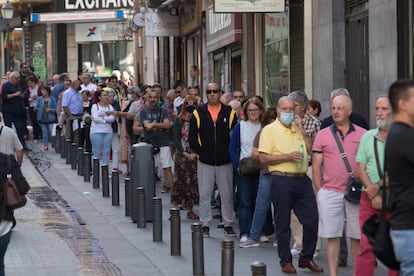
(105, 57)
(276, 57)
(15, 48)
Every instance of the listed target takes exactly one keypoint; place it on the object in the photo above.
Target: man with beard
(156, 123)
(368, 172)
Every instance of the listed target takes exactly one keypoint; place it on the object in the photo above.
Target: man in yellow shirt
(284, 147)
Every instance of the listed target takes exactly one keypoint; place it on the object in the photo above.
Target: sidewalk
(126, 249)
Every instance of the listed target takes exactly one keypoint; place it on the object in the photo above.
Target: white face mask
(130, 97)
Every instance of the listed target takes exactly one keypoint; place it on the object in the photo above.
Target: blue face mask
(286, 118)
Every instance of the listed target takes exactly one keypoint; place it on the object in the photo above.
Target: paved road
(68, 228)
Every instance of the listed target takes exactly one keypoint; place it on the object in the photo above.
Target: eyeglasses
(177, 91)
(215, 91)
(253, 110)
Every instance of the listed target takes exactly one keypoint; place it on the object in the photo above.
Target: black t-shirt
(399, 163)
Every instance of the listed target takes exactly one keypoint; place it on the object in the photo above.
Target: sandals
(192, 215)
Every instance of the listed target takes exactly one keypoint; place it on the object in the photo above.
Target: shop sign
(249, 5)
(73, 17)
(190, 17)
(98, 4)
(91, 32)
(223, 29)
(161, 24)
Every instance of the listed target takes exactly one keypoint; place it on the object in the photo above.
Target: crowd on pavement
(283, 172)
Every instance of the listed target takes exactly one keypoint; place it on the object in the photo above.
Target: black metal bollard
(73, 156)
(140, 212)
(227, 258)
(175, 234)
(62, 146)
(258, 268)
(198, 249)
(80, 161)
(157, 222)
(127, 197)
(87, 167)
(68, 145)
(95, 184)
(58, 146)
(105, 180)
(115, 188)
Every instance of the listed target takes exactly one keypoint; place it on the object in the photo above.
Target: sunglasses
(215, 91)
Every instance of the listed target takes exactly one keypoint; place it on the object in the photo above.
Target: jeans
(19, 121)
(4, 242)
(101, 146)
(263, 199)
(403, 241)
(47, 133)
(247, 185)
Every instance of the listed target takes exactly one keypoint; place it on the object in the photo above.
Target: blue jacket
(52, 105)
(235, 147)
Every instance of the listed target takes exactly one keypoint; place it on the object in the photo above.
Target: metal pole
(198, 249)
(62, 146)
(175, 234)
(68, 145)
(227, 258)
(95, 184)
(58, 146)
(80, 161)
(127, 197)
(87, 167)
(115, 188)
(141, 208)
(258, 268)
(157, 222)
(105, 180)
(73, 156)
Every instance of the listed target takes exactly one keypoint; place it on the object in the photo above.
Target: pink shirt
(335, 175)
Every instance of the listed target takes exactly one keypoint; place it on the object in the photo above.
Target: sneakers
(295, 253)
(249, 243)
(192, 215)
(46, 148)
(206, 232)
(243, 238)
(229, 232)
(264, 239)
(316, 254)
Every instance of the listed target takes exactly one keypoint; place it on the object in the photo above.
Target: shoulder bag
(377, 227)
(354, 185)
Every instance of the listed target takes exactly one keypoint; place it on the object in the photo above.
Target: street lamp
(7, 10)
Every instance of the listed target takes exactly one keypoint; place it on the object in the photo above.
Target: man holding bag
(332, 206)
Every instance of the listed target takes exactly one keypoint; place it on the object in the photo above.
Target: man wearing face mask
(284, 145)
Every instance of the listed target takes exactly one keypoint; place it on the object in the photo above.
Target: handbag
(249, 165)
(12, 197)
(354, 185)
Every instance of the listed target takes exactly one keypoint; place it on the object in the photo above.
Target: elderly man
(73, 107)
(87, 84)
(368, 172)
(332, 207)
(284, 146)
(9, 142)
(399, 163)
(13, 108)
(209, 137)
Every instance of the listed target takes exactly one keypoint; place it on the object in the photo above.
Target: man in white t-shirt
(87, 84)
(9, 142)
(181, 92)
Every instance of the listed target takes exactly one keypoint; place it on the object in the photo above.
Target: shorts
(164, 156)
(334, 211)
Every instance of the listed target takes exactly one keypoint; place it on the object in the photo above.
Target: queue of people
(251, 157)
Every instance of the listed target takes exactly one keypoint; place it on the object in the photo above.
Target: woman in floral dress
(185, 180)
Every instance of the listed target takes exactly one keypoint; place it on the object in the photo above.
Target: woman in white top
(241, 147)
(101, 127)
(33, 93)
